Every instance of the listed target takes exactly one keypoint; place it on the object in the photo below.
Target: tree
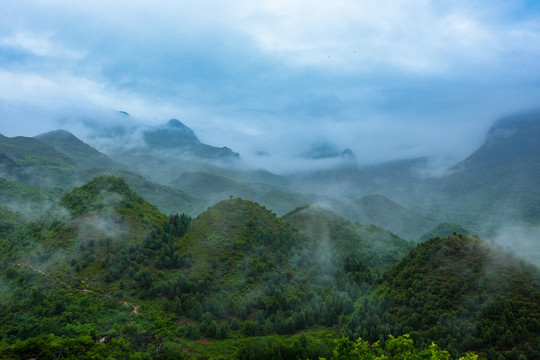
(171, 351)
(400, 348)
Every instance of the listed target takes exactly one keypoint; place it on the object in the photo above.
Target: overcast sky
(387, 78)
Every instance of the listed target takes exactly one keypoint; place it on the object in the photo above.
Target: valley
(173, 249)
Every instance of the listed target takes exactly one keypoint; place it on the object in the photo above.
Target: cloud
(388, 78)
(39, 45)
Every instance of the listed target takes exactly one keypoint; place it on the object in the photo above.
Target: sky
(389, 79)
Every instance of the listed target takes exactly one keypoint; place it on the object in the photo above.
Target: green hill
(374, 246)
(33, 162)
(112, 195)
(25, 198)
(230, 227)
(113, 276)
(460, 292)
(165, 198)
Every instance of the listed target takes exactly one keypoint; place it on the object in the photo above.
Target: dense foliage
(460, 292)
(99, 272)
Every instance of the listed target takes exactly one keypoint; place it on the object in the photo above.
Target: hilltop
(83, 154)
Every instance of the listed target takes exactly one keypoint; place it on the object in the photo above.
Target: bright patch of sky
(388, 79)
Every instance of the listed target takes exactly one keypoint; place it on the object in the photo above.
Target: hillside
(254, 272)
(32, 162)
(83, 154)
(377, 248)
(168, 200)
(174, 136)
(381, 211)
(25, 198)
(112, 195)
(460, 292)
(499, 180)
(219, 187)
(114, 275)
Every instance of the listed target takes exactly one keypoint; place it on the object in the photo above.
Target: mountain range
(174, 249)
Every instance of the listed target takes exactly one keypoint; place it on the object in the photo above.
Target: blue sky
(388, 79)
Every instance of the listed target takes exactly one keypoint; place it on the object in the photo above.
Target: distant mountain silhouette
(174, 135)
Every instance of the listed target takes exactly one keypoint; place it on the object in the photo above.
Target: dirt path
(44, 273)
(86, 291)
(128, 304)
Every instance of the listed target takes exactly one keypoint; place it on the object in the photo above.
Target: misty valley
(142, 242)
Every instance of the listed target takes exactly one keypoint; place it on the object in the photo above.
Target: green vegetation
(96, 271)
(398, 348)
(378, 248)
(460, 292)
(83, 154)
(112, 193)
(444, 230)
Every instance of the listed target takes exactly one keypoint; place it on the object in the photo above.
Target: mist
(274, 79)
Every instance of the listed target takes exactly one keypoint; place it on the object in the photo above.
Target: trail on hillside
(65, 284)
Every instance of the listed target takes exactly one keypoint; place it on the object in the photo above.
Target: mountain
(218, 187)
(84, 155)
(100, 271)
(383, 212)
(326, 150)
(175, 136)
(168, 200)
(26, 199)
(376, 247)
(111, 194)
(498, 182)
(511, 145)
(460, 292)
(33, 162)
(229, 228)
(37, 168)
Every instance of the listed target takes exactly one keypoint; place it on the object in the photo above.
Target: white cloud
(65, 90)
(40, 44)
(375, 76)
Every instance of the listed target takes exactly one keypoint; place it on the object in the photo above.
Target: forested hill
(461, 292)
(104, 272)
(374, 246)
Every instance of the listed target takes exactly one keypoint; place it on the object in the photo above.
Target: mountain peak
(175, 123)
(173, 134)
(70, 145)
(64, 134)
(111, 194)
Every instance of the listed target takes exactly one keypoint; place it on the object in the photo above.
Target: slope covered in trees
(378, 248)
(460, 292)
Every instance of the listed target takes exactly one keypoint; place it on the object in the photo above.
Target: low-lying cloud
(387, 80)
